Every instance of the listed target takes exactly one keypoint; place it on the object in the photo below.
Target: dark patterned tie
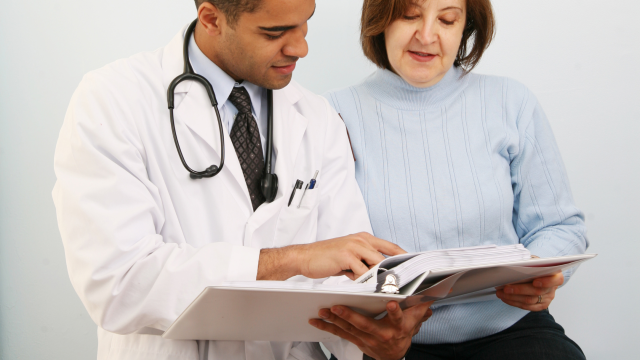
(246, 140)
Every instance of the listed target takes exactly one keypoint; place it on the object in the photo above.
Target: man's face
(263, 47)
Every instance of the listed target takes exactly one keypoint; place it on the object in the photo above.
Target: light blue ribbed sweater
(469, 161)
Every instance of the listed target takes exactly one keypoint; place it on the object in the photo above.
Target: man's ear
(211, 19)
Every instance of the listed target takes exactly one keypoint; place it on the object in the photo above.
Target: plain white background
(579, 57)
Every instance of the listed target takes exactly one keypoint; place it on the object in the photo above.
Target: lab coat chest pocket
(298, 225)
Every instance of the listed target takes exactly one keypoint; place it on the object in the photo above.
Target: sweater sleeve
(544, 213)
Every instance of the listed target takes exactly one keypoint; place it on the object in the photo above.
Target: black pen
(293, 193)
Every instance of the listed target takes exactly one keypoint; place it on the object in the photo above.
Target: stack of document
(408, 267)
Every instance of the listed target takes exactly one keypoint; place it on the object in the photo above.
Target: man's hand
(527, 296)
(347, 255)
(386, 339)
(350, 255)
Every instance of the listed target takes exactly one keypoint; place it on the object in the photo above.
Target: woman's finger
(526, 289)
(549, 281)
(524, 298)
(528, 307)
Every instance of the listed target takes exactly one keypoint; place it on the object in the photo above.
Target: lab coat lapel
(289, 127)
(193, 109)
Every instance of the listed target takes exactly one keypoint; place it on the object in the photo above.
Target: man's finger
(385, 247)
(357, 267)
(335, 330)
(370, 256)
(353, 322)
(394, 313)
(365, 338)
(417, 314)
(427, 315)
(348, 274)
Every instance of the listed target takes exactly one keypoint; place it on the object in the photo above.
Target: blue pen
(310, 185)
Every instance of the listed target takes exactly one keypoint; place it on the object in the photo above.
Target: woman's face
(422, 45)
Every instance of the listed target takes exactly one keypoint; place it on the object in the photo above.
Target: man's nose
(297, 45)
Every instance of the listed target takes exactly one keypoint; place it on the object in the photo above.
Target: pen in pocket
(296, 187)
(310, 185)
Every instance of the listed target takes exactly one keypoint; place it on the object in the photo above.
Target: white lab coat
(142, 239)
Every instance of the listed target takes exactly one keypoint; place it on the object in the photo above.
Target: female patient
(446, 158)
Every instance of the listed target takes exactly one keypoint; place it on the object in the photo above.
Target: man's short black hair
(233, 8)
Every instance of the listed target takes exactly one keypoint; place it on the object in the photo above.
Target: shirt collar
(221, 82)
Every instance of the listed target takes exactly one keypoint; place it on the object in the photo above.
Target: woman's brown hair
(377, 15)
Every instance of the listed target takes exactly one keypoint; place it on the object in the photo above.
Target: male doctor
(142, 239)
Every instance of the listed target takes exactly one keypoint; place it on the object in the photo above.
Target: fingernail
(393, 306)
(323, 314)
(313, 323)
(508, 290)
(337, 311)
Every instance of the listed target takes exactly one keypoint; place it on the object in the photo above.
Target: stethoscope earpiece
(269, 183)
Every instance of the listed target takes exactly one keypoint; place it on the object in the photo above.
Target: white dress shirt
(222, 85)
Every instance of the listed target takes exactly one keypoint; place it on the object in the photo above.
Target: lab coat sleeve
(342, 210)
(110, 217)
(545, 216)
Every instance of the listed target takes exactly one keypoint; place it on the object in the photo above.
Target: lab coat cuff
(243, 264)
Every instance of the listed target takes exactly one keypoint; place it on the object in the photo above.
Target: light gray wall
(579, 57)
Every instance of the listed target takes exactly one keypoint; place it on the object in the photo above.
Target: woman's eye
(447, 21)
(410, 17)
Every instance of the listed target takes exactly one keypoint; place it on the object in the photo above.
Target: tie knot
(240, 99)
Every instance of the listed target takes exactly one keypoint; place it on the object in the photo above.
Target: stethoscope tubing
(269, 181)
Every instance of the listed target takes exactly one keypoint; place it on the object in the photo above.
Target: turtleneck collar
(391, 89)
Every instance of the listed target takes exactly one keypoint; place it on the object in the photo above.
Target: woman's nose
(428, 32)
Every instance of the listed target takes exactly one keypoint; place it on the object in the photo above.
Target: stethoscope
(269, 182)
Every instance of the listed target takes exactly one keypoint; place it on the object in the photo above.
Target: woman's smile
(421, 56)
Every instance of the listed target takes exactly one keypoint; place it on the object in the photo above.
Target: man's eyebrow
(278, 28)
(282, 28)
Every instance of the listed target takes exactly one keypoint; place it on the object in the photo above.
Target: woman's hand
(534, 296)
(386, 339)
